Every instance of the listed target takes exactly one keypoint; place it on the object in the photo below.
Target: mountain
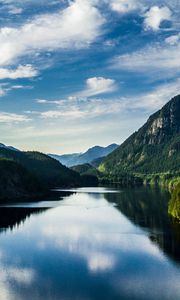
(16, 182)
(8, 147)
(154, 148)
(86, 169)
(90, 155)
(67, 160)
(96, 162)
(48, 171)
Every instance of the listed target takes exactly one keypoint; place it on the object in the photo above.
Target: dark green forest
(153, 149)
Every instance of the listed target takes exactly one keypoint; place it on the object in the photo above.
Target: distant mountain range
(154, 148)
(89, 156)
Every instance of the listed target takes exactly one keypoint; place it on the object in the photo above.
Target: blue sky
(78, 73)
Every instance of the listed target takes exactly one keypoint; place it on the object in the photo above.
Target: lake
(90, 244)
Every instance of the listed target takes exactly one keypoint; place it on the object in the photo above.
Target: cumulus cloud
(94, 86)
(124, 6)
(76, 26)
(98, 85)
(26, 71)
(155, 16)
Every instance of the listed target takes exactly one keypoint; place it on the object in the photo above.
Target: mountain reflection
(86, 248)
(11, 217)
(14, 214)
(148, 208)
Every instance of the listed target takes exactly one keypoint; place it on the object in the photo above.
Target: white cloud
(12, 118)
(94, 86)
(25, 71)
(155, 99)
(173, 39)
(152, 59)
(72, 114)
(44, 101)
(82, 108)
(14, 10)
(5, 88)
(41, 101)
(98, 85)
(124, 6)
(155, 16)
(18, 87)
(93, 107)
(76, 26)
(79, 106)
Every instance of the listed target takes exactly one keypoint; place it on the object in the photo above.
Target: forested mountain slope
(154, 148)
(47, 170)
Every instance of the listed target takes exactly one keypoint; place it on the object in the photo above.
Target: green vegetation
(89, 174)
(86, 169)
(32, 174)
(122, 179)
(174, 204)
(16, 181)
(153, 152)
(49, 171)
(168, 180)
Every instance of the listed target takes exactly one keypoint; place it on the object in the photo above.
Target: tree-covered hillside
(154, 148)
(49, 171)
(86, 169)
(16, 182)
(89, 174)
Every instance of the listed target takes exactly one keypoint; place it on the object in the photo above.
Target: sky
(79, 73)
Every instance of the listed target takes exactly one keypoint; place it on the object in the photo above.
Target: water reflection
(148, 208)
(11, 217)
(86, 248)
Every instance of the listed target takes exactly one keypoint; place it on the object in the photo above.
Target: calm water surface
(94, 243)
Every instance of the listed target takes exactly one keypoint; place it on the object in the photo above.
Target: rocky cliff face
(154, 148)
(162, 125)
